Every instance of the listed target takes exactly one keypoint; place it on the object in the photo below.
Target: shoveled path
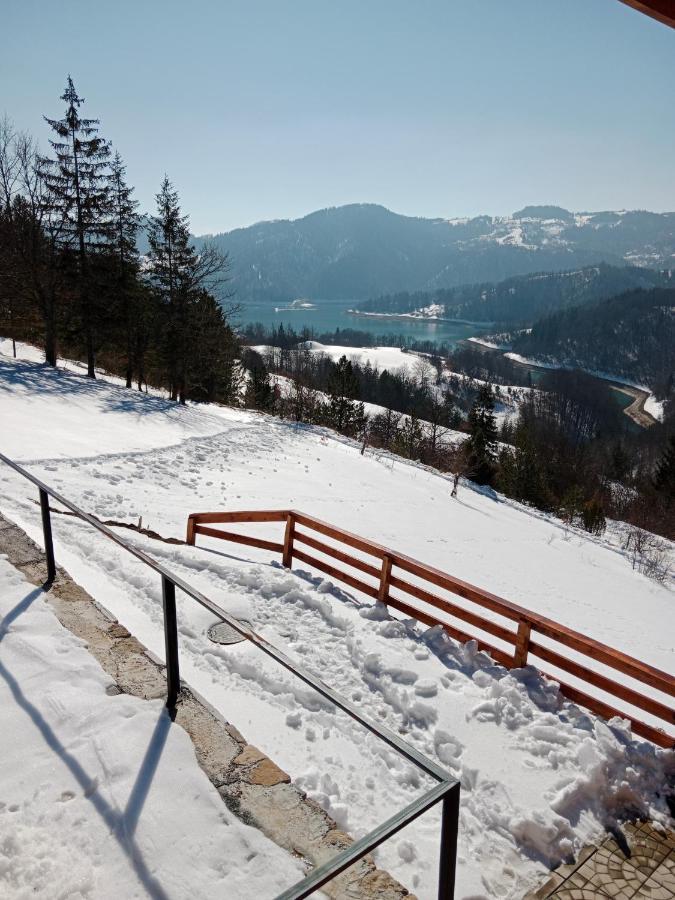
(251, 785)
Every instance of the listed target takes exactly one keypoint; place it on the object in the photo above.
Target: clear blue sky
(263, 109)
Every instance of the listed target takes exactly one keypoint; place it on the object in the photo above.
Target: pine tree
(522, 473)
(482, 443)
(213, 372)
(172, 261)
(76, 179)
(186, 281)
(342, 413)
(124, 222)
(258, 394)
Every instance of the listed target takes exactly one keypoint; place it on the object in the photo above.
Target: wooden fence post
(522, 644)
(190, 537)
(288, 540)
(383, 593)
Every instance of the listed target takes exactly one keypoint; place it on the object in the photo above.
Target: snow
(486, 343)
(516, 357)
(654, 407)
(101, 796)
(119, 414)
(540, 777)
(391, 358)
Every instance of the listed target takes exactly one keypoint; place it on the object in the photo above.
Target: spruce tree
(172, 262)
(482, 443)
(124, 222)
(258, 394)
(77, 183)
(342, 413)
(214, 371)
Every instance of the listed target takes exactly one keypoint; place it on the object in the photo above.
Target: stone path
(638, 863)
(251, 785)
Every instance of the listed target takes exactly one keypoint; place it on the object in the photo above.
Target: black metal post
(449, 830)
(170, 642)
(47, 531)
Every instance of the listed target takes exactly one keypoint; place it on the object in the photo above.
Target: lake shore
(412, 317)
(635, 411)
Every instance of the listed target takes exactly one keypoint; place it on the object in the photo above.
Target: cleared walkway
(638, 863)
(255, 791)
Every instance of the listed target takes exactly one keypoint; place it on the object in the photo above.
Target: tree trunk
(50, 338)
(130, 364)
(91, 355)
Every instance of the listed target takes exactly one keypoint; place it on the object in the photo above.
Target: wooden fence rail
(525, 635)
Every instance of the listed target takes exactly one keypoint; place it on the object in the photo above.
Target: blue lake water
(331, 314)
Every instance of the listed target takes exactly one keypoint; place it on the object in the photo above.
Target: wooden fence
(527, 635)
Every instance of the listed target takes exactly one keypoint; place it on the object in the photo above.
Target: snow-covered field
(101, 796)
(539, 776)
(391, 358)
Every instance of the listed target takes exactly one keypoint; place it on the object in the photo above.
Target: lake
(331, 314)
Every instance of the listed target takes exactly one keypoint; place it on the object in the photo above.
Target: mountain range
(362, 251)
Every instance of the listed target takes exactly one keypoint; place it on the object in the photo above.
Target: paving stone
(636, 864)
(661, 884)
(582, 894)
(258, 768)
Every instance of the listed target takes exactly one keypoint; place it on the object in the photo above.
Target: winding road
(635, 411)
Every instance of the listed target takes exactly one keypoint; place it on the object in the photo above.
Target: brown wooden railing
(521, 630)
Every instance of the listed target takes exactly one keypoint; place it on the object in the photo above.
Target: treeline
(72, 280)
(631, 335)
(484, 365)
(465, 358)
(521, 300)
(256, 333)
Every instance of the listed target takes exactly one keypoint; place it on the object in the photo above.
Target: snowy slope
(391, 358)
(101, 796)
(539, 777)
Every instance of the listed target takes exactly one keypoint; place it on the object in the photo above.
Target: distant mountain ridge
(362, 251)
(521, 300)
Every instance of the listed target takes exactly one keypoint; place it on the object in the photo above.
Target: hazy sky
(263, 109)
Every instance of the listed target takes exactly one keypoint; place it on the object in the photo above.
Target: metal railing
(445, 791)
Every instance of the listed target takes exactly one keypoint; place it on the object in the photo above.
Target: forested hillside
(521, 300)
(632, 335)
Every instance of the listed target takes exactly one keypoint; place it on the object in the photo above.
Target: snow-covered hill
(539, 776)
